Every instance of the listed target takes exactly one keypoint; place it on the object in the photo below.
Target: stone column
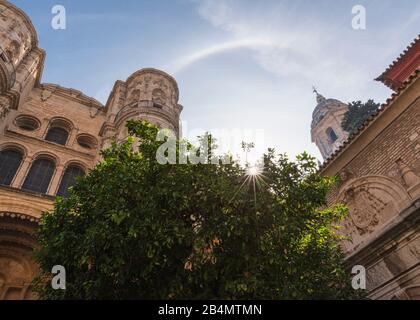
(22, 172)
(56, 179)
(72, 136)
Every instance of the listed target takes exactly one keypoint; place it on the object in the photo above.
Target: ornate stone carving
(134, 96)
(364, 208)
(159, 96)
(346, 175)
(373, 202)
(45, 94)
(4, 107)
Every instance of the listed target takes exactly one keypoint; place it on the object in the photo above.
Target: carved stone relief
(373, 201)
(364, 207)
(151, 87)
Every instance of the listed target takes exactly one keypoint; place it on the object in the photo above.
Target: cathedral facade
(379, 167)
(50, 134)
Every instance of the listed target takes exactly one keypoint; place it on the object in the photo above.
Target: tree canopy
(357, 114)
(136, 229)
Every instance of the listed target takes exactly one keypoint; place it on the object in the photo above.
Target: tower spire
(319, 97)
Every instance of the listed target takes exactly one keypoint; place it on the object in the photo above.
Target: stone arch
(16, 146)
(373, 202)
(46, 154)
(76, 162)
(17, 268)
(61, 122)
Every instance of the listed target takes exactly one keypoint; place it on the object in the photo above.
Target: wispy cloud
(250, 43)
(278, 44)
(300, 47)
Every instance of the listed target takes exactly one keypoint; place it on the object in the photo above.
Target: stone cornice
(51, 145)
(72, 94)
(28, 193)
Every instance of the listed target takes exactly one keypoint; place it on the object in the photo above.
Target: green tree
(136, 229)
(357, 114)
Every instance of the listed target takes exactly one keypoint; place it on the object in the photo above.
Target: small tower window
(332, 136)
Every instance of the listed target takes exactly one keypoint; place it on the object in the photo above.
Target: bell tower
(148, 94)
(326, 130)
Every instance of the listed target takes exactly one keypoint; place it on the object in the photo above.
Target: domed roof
(323, 106)
(158, 72)
(20, 17)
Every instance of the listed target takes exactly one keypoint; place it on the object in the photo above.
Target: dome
(17, 33)
(17, 38)
(324, 105)
(153, 85)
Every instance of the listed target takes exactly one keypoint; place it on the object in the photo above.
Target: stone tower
(326, 130)
(148, 94)
(20, 57)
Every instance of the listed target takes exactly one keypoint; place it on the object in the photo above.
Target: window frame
(330, 131)
(69, 166)
(54, 171)
(57, 141)
(18, 167)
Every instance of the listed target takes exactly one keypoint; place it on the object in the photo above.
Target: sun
(253, 171)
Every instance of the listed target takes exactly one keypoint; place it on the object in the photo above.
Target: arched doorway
(17, 268)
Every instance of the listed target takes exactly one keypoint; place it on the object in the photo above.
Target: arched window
(86, 141)
(39, 176)
(9, 164)
(67, 181)
(331, 135)
(27, 123)
(58, 135)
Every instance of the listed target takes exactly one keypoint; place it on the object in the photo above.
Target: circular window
(27, 123)
(86, 141)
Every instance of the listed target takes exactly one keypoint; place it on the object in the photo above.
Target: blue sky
(240, 64)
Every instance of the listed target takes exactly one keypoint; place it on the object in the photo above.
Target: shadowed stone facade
(379, 166)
